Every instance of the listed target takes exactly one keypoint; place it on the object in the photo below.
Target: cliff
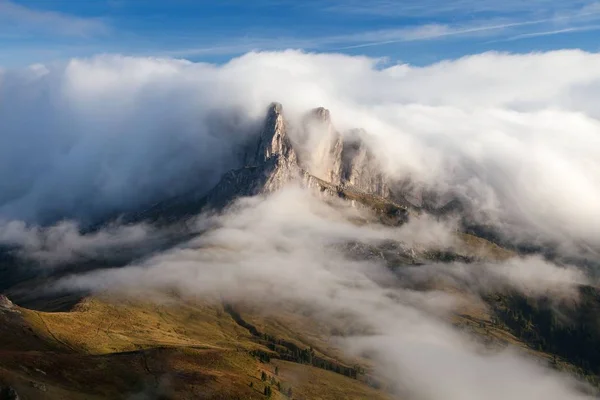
(339, 166)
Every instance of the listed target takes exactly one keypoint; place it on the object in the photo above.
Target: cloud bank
(517, 136)
(285, 249)
(64, 244)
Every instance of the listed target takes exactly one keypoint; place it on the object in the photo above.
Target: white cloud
(469, 19)
(282, 250)
(16, 16)
(516, 135)
(100, 129)
(530, 276)
(554, 32)
(431, 32)
(507, 132)
(64, 243)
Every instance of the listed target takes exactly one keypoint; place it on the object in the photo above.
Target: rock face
(337, 165)
(273, 140)
(5, 303)
(269, 165)
(337, 161)
(349, 161)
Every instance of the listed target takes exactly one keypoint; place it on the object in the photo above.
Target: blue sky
(415, 31)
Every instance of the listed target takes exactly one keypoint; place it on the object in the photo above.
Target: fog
(284, 249)
(515, 137)
(64, 243)
(530, 276)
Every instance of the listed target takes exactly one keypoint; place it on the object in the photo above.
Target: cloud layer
(111, 134)
(516, 135)
(284, 249)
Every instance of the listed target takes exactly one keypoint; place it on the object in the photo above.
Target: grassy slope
(116, 349)
(186, 350)
(567, 330)
(110, 350)
(113, 350)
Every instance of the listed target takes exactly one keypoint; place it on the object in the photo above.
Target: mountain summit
(339, 165)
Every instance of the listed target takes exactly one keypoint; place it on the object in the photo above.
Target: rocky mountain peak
(338, 165)
(322, 114)
(345, 159)
(273, 139)
(359, 166)
(338, 159)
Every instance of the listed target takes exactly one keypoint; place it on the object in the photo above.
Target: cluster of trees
(270, 382)
(263, 356)
(268, 392)
(240, 321)
(570, 331)
(290, 351)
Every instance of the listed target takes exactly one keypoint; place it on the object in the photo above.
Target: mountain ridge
(223, 347)
(273, 162)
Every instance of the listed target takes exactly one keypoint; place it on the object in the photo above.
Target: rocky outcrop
(323, 160)
(5, 303)
(269, 166)
(337, 165)
(273, 140)
(355, 165)
(343, 159)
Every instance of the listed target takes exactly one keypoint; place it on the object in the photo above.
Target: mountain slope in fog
(192, 342)
(337, 167)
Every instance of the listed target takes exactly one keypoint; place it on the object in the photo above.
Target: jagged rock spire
(344, 159)
(348, 169)
(340, 160)
(322, 114)
(359, 166)
(273, 140)
(338, 164)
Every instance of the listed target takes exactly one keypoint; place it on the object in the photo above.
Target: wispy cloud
(482, 27)
(429, 8)
(363, 39)
(349, 25)
(424, 32)
(417, 20)
(16, 16)
(550, 33)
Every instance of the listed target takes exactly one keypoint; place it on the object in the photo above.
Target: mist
(63, 244)
(283, 249)
(94, 138)
(515, 137)
(507, 134)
